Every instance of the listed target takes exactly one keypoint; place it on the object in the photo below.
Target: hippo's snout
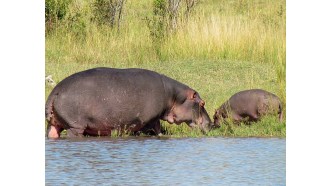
(203, 128)
(206, 129)
(214, 126)
(216, 123)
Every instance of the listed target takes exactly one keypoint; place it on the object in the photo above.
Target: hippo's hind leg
(73, 132)
(280, 116)
(77, 128)
(280, 111)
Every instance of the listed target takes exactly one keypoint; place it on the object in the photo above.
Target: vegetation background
(217, 47)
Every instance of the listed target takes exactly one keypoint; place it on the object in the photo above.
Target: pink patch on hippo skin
(169, 118)
(53, 132)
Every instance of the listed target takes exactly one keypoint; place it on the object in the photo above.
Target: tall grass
(236, 30)
(225, 46)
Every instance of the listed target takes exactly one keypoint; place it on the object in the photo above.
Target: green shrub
(157, 24)
(55, 10)
(78, 18)
(108, 12)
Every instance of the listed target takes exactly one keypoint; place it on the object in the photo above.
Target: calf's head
(220, 114)
(218, 117)
(188, 107)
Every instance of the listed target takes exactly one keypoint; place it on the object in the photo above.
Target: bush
(108, 12)
(78, 18)
(55, 10)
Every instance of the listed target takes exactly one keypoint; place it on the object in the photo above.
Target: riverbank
(224, 47)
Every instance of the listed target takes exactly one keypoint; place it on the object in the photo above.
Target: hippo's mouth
(195, 124)
(173, 119)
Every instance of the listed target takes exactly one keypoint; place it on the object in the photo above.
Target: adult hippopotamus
(97, 101)
(250, 104)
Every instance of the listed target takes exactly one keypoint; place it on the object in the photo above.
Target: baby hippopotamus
(248, 105)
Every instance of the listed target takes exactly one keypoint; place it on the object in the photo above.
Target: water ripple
(153, 161)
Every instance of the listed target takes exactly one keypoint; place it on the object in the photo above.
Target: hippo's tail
(49, 104)
(49, 108)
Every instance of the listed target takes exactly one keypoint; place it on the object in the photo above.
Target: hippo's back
(254, 100)
(105, 76)
(252, 94)
(108, 95)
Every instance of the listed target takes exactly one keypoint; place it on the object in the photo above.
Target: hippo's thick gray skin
(96, 101)
(250, 104)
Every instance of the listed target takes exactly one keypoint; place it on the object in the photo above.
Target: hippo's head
(189, 108)
(219, 115)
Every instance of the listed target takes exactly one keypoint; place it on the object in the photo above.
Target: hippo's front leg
(157, 129)
(152, 128)
(237, 118)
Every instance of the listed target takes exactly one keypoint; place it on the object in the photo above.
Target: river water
(165, 161)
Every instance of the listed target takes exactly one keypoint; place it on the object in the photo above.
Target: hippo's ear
(191, 94)
(201, 103)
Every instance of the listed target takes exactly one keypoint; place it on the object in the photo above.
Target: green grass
(225, 47)
(267, 127)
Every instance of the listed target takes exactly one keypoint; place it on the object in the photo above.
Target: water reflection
(153, 161)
